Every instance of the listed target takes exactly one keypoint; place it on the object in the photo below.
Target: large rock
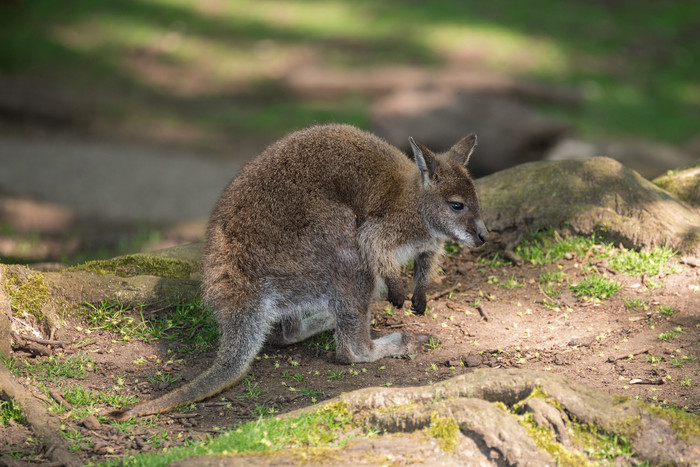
(489, 417)
(684, 183)
(586, 196)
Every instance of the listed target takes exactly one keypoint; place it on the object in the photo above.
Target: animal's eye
(456, 207)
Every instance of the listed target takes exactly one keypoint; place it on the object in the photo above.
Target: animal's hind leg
(353, 340)
(299, 327)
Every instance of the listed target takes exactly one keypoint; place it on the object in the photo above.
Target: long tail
(238, 346)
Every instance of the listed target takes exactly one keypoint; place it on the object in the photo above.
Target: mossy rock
(182, 262)
(597, 195)
(684, 183)
(51, 298)
(490, 417)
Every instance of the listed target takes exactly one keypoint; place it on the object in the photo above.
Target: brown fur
(300, 241)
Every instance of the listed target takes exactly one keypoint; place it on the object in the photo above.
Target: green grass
(649, 262)
(596, 286)
(551, 282)
(85, 401)
(324, 341)
(321, 428)
(253, 389)
(635, 304)
(670, 335)
(192, 324)
(634, 62)
(433, 343)
(667, 310)
(54, 368)
(547, 246)
(10, 411)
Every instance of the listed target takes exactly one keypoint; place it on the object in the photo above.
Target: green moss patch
(28, 295)
(140, 264)
(685, 425)
(312, 432)
(445, 430)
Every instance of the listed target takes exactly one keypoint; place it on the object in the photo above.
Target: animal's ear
(463, 150)
(425, 160)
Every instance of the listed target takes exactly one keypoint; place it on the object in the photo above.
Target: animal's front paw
(396, 293)
(419, 303)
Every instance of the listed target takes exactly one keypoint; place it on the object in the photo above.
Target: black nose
(484, 235)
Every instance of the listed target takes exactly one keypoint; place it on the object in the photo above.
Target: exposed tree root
(45, 427)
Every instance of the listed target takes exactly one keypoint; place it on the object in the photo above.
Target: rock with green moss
(684, 183)
(585, 196)
(487, 417)
(49, 299)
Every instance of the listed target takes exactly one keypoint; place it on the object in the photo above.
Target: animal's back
(302, 198)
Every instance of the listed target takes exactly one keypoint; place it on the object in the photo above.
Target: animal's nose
(483, 235)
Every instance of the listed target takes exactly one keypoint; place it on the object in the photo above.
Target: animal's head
(450, 204)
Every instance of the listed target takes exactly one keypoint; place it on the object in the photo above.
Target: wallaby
(307, 234)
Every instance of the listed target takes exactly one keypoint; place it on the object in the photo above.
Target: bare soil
(605, 345)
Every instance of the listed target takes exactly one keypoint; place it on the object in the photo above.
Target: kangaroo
(303, 239)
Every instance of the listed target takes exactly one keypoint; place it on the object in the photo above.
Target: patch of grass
(599, 445)
(324, 427)
(324, 341)
(115, 317)
(649, 262)
(336, 374)
(679, 361)
(511, 283)
(141, 422)
(492, 261)
(433, 343)
(264, 410)
(667, 310)
(161, 377)
(252, 387)
(635, 304)
(548, 246)
(10, 411)
(670, 335)
(57, 367)
(550, 283)
(596, 286)
(311, 392)
(84, 401)
(76, 439)
(193, 323)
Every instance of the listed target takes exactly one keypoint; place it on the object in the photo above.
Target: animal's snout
(484, 235)
(481, 232)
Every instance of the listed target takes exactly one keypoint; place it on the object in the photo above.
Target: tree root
(477, 402)
(45, 427)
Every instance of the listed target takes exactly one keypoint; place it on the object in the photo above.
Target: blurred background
(122, 121)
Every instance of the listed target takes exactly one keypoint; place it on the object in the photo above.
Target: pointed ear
(425, 160)
(463, 150)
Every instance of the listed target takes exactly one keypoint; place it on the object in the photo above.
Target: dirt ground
(483, 316)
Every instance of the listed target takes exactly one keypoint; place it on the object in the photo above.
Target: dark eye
(456, 207)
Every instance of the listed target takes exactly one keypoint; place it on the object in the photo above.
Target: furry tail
(237, 348)
(215, 379)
